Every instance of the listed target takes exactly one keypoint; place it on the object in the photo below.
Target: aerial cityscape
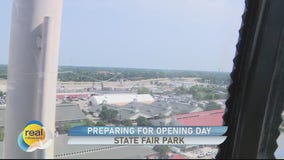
(117, 63)
(129, 97)
(98, 96)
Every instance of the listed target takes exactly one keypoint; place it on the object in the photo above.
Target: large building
(204, 118)
(70, 113)
(74, 95)
(121, 99)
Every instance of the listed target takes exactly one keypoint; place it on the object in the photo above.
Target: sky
(161, 34)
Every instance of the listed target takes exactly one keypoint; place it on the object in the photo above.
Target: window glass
(142, 62)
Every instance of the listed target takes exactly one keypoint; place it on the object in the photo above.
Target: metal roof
(205, 118)
(62, 147)
(124, 152)
(121, 99)
(63, 113)
(69, 112)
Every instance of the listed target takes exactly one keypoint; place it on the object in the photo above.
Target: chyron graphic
(34, 136)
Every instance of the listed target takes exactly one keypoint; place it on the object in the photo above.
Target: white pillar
(32, 71)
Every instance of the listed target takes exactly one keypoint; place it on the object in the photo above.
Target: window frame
(256, 94)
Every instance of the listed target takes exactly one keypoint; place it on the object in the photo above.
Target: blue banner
(148, 131)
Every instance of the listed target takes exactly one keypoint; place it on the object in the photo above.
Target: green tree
(142, 121)
(212, 106)
(143, 90)
(67, 127)
(181, 90)
(100, 123)
(89, 122)
(2, 93)
(220, 96)
(162, 150)
(127, 122)
(206, 92)
(108, 114)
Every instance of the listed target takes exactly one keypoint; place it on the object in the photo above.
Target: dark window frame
(253, 109)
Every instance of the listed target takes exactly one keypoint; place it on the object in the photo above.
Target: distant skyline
(158, 34)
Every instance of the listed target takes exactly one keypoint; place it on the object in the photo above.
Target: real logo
(34, 136)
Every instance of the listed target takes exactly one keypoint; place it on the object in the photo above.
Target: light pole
(32, 71)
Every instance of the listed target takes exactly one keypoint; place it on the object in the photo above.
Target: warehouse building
(67, 113)
(204, 118)
(120, 99)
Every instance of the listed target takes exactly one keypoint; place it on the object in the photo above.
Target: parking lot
(202, 153)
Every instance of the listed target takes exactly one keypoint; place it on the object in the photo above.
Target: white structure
(134, 117)
(32, 72)
(121, 99)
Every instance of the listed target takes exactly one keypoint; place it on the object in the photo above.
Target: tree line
(89, 74)
(203, 92)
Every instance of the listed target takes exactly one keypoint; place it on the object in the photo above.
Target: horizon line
(116, 67)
